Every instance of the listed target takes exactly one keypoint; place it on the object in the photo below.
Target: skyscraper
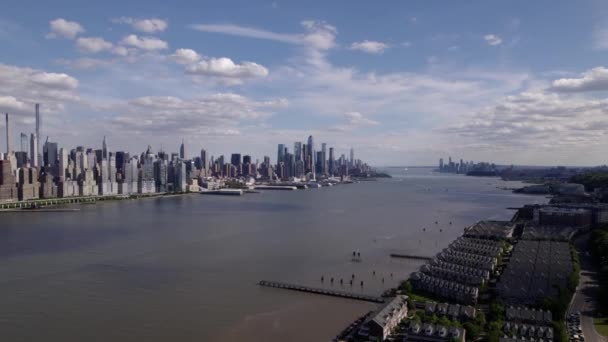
(38, 128)
(235, 159)
(352, 157)
(34, 149)
(204, 159)
(182, 151)
(324, 158)
(332, 162)
(311, 154)
(9, 148)
(297, 150)
(104, 149)
(280, 153)
(24, 142)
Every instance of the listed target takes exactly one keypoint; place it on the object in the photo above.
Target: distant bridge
(326, 292)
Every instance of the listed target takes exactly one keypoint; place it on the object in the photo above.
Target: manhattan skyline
(404, 86)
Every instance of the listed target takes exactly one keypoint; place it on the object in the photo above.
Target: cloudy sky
(404, 82)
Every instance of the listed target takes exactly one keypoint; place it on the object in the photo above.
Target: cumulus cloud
(144, 43)
(595, 79)
(151, 25)
(185, 56)
(93, 44)
(370, 46)
(22, 87)
(61, 28)
(538, 119)
(218, 67)
(492, 39)
(225, 67)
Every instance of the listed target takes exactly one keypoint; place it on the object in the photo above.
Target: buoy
(332, 280)
(322, 279)
(341, 281)
(374, 272)
(383, 279)
(391, 274)
(353, 277)
(361, 282)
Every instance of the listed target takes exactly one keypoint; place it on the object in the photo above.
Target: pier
(409, 256)
(326, 292)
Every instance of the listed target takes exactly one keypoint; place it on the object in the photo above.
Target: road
(584, 298)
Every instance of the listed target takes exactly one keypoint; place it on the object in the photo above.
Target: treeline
(599, 250)
(591, 180)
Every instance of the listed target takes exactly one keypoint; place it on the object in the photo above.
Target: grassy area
(601, 325)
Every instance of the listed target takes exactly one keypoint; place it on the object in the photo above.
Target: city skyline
(407, 84)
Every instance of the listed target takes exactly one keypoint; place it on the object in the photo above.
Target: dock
(326, 292)
(275, 187)
(410, 256)
(224, 192)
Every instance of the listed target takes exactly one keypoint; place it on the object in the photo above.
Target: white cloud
(83, 63)
(144, 43)
(218, 67)
(492, 39)
(151, 25)
(369, 46)
(595, 79)
(93, 44)
(357, 119)
(64, 29)
(538, 121)
(225, 67)
(22, 87)
(120, 51)
(319, 35)
(218, 114)
(185, 56)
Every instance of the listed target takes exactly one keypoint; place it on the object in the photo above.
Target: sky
(402, 82)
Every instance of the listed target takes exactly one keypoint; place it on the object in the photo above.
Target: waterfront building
(48, 189)
(8, 188)
(324, 168)
(29, 187)
(381, 323)
(87, 185)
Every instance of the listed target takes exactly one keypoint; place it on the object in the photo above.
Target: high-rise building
(182, 151)
(324, 158)
(352, 157)
(332, 162)
(38, 127)
(204, 159)
(34, 149)
(9, 138)
(104, 150)
(297, 150)
(280, 153)
(8, 188)
(310, 149)
(235, 159)
(49, 154)
(24, 142)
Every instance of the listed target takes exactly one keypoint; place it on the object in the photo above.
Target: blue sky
(403, 82)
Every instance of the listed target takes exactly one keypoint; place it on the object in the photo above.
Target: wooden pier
(409, 256)
(326, 292)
